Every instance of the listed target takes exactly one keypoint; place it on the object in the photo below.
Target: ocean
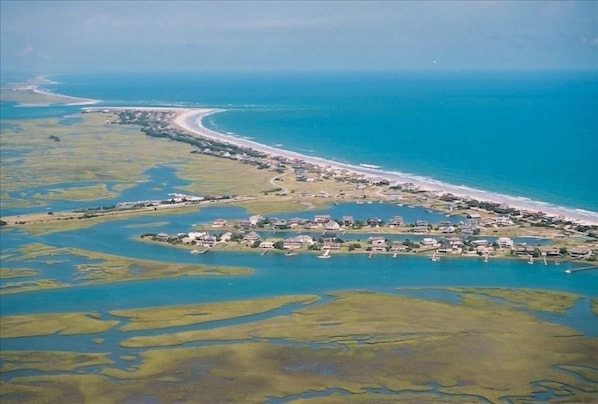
(528, 134)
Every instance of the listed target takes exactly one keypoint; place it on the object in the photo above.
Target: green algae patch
(53, 323)
(17, 273)
(50, 360)
(594, 305)
(29, 286)
(89, 193)
(107, 268)
(144, 225)
(541, 300)
(359, 318)
(58, 158)
(588, 373)
(40, 225)
(54, 389)
(480, 350)
(166, 317)
(413, 397)
(278, 205)
(209, 175)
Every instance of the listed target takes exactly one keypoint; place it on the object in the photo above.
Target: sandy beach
(191, 121)
(30, 94)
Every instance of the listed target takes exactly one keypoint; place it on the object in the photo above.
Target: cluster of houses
(158, 123)
(324, 234)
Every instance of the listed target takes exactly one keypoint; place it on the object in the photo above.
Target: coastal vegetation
(17, 273)
(166, 317)
(99, 268)
(357, 344)
(50, 361)
(53, 323)
(541, 300)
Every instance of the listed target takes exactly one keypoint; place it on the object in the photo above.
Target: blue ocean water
(530, 134)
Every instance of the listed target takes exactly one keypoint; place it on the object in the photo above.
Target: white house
(504, 242)
(429, 242)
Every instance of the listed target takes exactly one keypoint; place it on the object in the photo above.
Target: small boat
(290, 253)
(325, 255)
(394, 255)
(567, 271)
(194, 251)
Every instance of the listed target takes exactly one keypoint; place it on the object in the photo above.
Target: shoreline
(33, 88)
(190, 120)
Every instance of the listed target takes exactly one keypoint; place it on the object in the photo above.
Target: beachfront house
(321, 219)
(524, 250)
(255, 219)
(447, 228)
(194, 235)
(251, 237)
(398, 247)
(374, 222)
(421, 226)
(580, 253)
(475, 216)
(503, 221)
(219, 223)
(279, 224)
(396, 221)
(207, 240)
(348, 221)
(429, 242)
(266, 244)
(409, 187)
(504, 242)
(292, 243)
(549, 251)
(330, 245)
(332, 225)
(305, 239)
(226, 237)
(378, 243)
(162, 236)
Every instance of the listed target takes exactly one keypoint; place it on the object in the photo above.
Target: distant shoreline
(29, 94)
